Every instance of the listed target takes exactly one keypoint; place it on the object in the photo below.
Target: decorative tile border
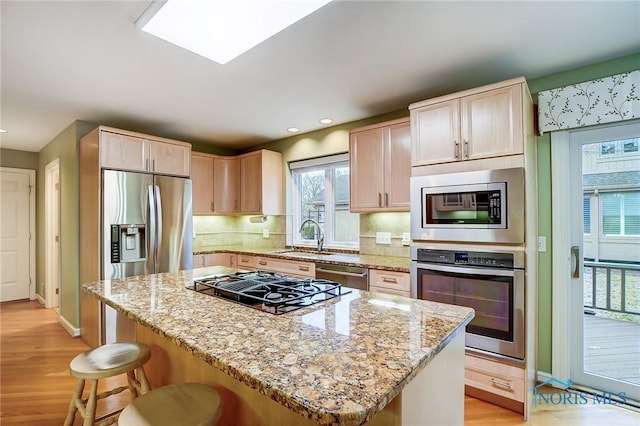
(599, 101)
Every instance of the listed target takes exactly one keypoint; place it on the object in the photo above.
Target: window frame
(621, 213)
(319, 163)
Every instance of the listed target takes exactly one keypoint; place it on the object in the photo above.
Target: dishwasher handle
(345, 274)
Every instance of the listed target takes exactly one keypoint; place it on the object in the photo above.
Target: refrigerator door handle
(159, 226)
(151, 232)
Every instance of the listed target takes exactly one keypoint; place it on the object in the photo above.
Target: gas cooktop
(268, 291)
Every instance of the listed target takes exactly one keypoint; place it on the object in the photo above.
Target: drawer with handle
(397, 281)
(494, 377)
(288, 267)
(246, 262)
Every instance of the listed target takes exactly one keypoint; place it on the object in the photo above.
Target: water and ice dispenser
(128, 243)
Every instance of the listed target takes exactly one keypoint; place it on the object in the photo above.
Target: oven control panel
(471, 258)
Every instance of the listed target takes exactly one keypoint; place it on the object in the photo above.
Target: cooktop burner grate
(268, 291)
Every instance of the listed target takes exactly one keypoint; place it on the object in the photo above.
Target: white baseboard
(73, 331)
(41, 300)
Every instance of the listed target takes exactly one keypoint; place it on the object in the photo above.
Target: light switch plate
(383, 237)
(406, 238)
(542, 244)
(265, 233)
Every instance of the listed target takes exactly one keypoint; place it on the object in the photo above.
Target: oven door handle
(464, 270)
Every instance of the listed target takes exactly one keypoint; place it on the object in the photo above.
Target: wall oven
(492, 283)
(482, 206)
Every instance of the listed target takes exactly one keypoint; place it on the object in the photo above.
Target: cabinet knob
(465, 149)
(379, 199)
(455, 149)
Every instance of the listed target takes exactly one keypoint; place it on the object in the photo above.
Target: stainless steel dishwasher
(349, 276)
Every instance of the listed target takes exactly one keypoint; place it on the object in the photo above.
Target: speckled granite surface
(388, 263)
(337, 362)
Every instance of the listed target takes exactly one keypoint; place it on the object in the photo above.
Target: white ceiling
(63, 61)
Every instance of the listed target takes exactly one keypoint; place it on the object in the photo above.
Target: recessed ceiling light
(326, 121)
(221, 29)
(293, 130)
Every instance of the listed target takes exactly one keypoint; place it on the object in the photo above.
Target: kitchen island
(361, 358)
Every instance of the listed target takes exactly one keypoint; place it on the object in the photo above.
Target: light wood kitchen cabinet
(501, 379)
(389, 282)
(202, 177)
(380, 167)
(215, 259)
(479, 123)
(246, 184)
(170, 159)
(246, 262)
(261, 183)
(226, 185)
(123, 152)
(131, 151)
(288, 267)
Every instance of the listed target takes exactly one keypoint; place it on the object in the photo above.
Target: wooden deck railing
(612, 285)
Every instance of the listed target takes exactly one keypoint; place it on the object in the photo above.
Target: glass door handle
(575, 253)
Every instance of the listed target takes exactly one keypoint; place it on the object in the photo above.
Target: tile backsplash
(215, 232)
(394, 223)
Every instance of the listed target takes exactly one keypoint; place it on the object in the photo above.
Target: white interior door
(52, 233)
(604, 297)
(15, 248)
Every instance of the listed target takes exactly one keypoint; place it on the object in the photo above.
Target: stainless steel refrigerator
(147, 227)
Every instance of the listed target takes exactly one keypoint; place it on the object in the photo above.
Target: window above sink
(320, 191)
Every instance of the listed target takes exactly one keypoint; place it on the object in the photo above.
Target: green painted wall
(65, 148)
(18, 159)
(320, 143)
(545, 320)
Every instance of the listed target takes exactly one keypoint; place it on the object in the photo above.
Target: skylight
(222, 30)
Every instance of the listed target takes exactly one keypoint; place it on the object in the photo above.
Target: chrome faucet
(320, 235)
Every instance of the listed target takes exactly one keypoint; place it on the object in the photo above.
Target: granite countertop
(336, 362)
(388, 263)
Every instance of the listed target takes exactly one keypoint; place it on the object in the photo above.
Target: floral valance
(599, 101)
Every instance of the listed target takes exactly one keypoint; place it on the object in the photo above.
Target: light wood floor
(35, 385)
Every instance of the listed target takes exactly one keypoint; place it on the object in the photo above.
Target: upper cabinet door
(202, 177)
(491, 123)
(398, 166)
(124, 152)
(251, 183)
(436, 133)
(366, 169)
(170, 159)
(226, 185)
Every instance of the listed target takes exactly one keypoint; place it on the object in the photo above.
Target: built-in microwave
(481, 206)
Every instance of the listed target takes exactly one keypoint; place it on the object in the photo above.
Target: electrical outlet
(265, 233)
(383, 237)
(406, 238)
(542, 244)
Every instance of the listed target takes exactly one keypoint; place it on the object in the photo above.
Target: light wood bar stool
(102, 362)
(184, 404)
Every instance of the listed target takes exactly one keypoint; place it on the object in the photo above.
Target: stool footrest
(114, 391)
(108, 419)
